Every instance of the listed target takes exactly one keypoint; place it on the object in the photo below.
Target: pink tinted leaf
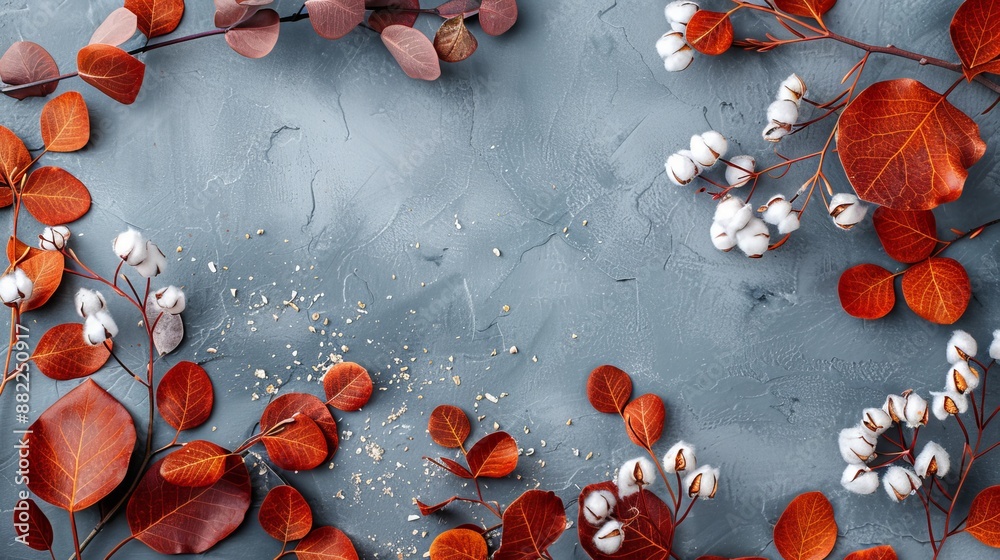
(26, 62)
(255, 37)
(392, 14)
(496, 17)
(119, 27)
(454, 8)
(332, 19)
(229, 12)
(413, 51)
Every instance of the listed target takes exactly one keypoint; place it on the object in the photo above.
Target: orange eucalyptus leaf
(710, 32)
(806, 530)
(866, 291)
(937, 289)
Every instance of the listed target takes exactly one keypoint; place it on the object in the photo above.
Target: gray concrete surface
(360, 179)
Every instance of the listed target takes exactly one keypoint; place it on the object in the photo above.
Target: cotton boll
(900, 482)
(130, 247)
(846, 210)
(933, 460)
(948, 403)
(962, 378)
(702, 154)
(754, 238)
(634, 475)
(792, 89)
(859, 479)
(93, 331)
(876, 421)
(740, 220)
(680, 12)
(774, 132)
(53, 238)
(9, 293)
(894, 407)
(727, 209)
(961, 347)
(681, 169)
(915, 412)
(680, 60)
(783, 112)
(104, 316)
(995, 345)
(170, 299)
(789, 224)
(740, 170)
(597, 506)
(155, 262)
(722, 240)
(680, 458)
(716, 142)
(610, 537)
(669, 43)
(776, 209)
(855, 448)
(88, 302)
(702, 482)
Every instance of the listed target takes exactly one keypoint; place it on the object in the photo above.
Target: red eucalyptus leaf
(449, 426)
(494, 456)
(975, 32)
(392, 14)
(198, 463)
(451, 466)
(326, 543)
(883, 552)
(609, 389)
(724, 558)
(163, 515)
(24, 63)
(937, 289)
(80, 448)
(459, 544)
(44, 268)
(806, 530)
(453, 42)
(710, 32)
(332, 19)
(157, 17)
(257, 35)
(348, 386)
(452, 8)
(65, 123)
(285, 514)
(117, 28)
(866, 291)
(184, 396)
(62, 353)
(14, 157)
(413, 51)
(644, 419)
(230, 12)
(647, 538)
(496, 17)
(905, 146)
(807, 8)
(908, 237)
(984, 517)
(111, 70)
(429, 510)
(295, 446)
(31, 526)
(288, 404)
(531, 524)
(54, 196)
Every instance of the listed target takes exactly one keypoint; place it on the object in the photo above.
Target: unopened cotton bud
(775, 132)
(53, 238)
(670, 43)
(875, 420)
(789, 224)
(680, 458)
(754, 238)
(88, 302)
(702, 482)
(933, 460)
(900, 482)
(776, 209)
(702, 154)
(609, 538)
(15, 287)
(155, 263)
(680, 11)
(948, 403)
(716, 142)
(894, 407)
(792, 89)
(634, 475)
(130, 247)
(961, 347)
(846, 210)
(995, 345)
(680, 60)
(170, 299)
(915, 412)
(855, 446)
(962, 378)
(727, 209)
(783, 112)
(597, 506)
(720, 239)
(859, 479)
(681, 169)
(740, 170)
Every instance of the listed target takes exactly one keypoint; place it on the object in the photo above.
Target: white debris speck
(496, 251)
(211, 266)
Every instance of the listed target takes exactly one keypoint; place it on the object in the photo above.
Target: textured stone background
(357, 174)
